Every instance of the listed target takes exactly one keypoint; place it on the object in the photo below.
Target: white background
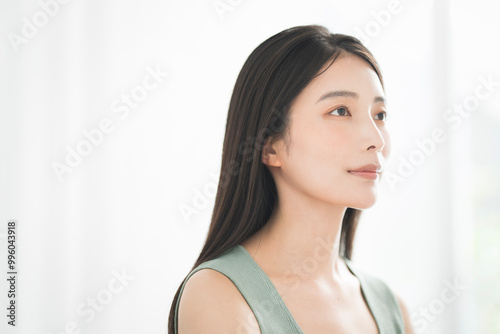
(119, 209)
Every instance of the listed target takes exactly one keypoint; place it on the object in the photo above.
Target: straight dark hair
(271, 78)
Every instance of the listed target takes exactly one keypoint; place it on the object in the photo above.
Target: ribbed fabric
(270, 310)
(381, 301)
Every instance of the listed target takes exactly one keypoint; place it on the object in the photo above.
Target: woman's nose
(372, 138)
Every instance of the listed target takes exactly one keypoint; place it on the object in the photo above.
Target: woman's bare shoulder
(406, 314)
(211, 303)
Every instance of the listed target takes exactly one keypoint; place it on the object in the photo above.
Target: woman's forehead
(347, 73)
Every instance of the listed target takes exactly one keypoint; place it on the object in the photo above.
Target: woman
(303, 154)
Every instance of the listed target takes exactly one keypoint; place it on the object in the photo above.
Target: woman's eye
(383, 115)
(341, 111)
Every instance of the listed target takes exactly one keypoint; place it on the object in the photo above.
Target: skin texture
(310, 167)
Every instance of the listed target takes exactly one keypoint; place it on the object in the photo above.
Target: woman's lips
(365, 174)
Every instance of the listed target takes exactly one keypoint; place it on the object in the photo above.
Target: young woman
(304, 150)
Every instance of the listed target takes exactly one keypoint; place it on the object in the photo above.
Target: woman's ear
(270, 153)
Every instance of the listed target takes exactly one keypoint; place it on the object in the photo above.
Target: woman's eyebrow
(346, 93)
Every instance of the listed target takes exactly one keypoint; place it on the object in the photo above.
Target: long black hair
(272, 76)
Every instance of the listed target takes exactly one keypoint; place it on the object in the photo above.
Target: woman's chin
(363, 205)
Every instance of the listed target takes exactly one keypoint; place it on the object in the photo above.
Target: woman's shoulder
(211, 303)
(370, 280)
(383, 293)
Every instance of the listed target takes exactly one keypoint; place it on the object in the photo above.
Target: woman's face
(333, 135)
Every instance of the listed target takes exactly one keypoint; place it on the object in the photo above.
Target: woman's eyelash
(385, 115)
(348, 112)
(340, 107)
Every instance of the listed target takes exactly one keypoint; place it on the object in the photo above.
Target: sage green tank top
(269, 308)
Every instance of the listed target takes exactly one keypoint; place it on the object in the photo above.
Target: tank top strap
(381, 301)
(255, 286)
